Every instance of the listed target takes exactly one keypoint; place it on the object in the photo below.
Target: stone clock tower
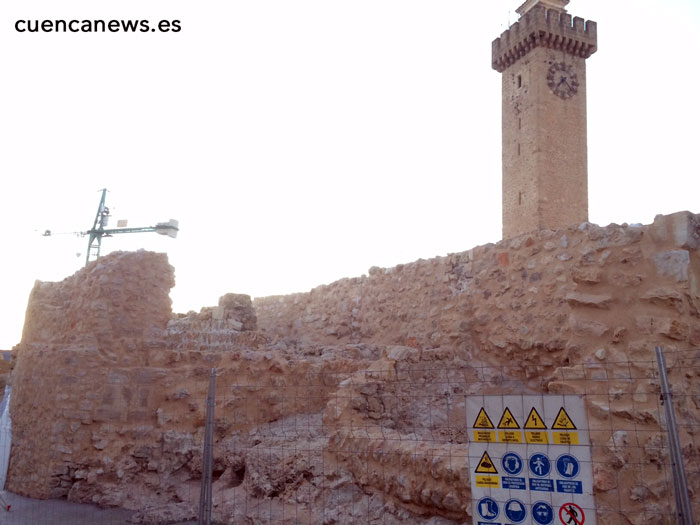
(542, 58)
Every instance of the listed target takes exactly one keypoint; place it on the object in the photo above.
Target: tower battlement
(542, 27)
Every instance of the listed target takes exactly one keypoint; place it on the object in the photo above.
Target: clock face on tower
(562, 80)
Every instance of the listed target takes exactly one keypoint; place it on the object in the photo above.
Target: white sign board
(530, 460)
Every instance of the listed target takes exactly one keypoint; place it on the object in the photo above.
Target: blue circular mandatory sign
(542, 513)
(515, 511)
(512, 463)
(488, 508)
(540, 465)
(567, 466)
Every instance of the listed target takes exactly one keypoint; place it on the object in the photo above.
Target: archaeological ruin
(347, 402)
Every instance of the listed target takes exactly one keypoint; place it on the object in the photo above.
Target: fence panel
(390, 444)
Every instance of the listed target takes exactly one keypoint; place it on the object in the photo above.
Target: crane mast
(99, 229)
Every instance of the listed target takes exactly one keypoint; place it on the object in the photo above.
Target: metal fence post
(684, 510)
(205, 496)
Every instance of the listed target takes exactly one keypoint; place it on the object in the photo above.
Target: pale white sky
(301, 141)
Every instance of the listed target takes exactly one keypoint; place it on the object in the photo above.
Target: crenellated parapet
(542, 27)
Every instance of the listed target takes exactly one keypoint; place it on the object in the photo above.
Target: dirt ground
(27, 511)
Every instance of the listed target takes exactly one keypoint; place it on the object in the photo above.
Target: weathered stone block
(641, 350)
(403, 353)
(570, 373)
(238, 307)
(604, 479)
(673, 264)
(233, 324)
(694, 338)
(673, 328)
(586, 274)
(218, 313)
(587, 327)
(682, 228)
(664, 296)
(585, 299)
(645, 324)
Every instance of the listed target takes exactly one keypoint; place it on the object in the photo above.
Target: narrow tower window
(518, 149)
(520, 81)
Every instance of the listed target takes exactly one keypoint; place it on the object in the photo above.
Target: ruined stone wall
(570, 311)
(577, 289)
(356, 389)
(109, 389)
(83, 339)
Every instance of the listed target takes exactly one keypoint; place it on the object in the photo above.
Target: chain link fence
(391, 444)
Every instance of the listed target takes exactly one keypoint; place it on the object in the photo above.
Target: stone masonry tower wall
(545, 169)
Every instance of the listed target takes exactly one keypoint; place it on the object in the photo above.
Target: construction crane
(99, 229)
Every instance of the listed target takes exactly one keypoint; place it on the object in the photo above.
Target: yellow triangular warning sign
(507, 420)
(483, 420)
(485, 465)
(534, 420)
(563, 421)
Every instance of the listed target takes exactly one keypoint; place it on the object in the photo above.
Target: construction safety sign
(533, 466)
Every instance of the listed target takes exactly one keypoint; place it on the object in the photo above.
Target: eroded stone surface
(347, 403)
